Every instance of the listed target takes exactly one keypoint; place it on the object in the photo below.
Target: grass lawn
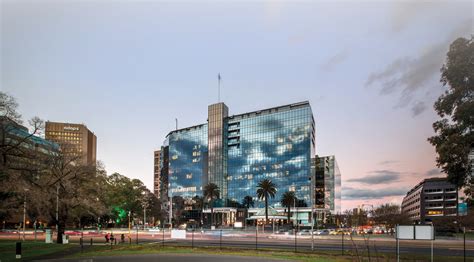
(157, 249)
(469, 235)
(284, 255)
(30, 249)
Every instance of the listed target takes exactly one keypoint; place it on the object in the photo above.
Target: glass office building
(236, 152)
(327, 185)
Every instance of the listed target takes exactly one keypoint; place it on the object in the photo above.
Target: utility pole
(24, 216)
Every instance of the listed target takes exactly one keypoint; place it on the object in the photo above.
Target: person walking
(107, 238)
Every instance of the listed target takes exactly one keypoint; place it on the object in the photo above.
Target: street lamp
(24, 214)
(312, 214)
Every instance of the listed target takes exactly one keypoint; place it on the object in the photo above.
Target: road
(254, 240)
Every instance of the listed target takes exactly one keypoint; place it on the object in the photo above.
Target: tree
(18, 154)
(124, 195)
(389, 215)
(287, 200)
(67, 189)
(247, 202)
(199, 205)
(454, 137)
(211, 192)
(265, 189)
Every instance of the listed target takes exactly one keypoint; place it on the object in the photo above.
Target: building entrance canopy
(220, 210)
(272, 214)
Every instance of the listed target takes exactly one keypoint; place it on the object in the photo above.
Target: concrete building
(430, 199)
(75, 139)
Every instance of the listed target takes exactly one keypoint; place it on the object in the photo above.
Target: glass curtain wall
(275, 144)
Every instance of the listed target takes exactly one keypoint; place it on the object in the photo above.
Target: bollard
(464, 236)
(256, 237)
(18, 250)
(296, 240)
(192, 240)
(220, 240)
(342, 247)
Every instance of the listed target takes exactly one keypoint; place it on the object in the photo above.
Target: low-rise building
(430, 199)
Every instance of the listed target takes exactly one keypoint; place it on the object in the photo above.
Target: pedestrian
(122, 238)
(107, 238)
(112, 238)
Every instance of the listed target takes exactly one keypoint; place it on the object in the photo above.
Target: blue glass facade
(276, 143)
(188, 161)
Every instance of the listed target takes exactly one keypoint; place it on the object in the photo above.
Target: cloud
(418, 108)
(405, 12)
(349, 193)
(379, 177)
(388, 162)
(408, 75)
(433, 172)
(335, 60)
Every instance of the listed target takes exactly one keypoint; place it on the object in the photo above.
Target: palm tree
(287, 200)
(211, 192)
(247, 202)
(266, 188)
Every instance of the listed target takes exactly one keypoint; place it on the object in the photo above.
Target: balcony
(440, 207)
(433, 193)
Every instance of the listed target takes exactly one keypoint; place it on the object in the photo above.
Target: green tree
(389, 215)
(287, 200)
(247, 202)
(124, 196)
(454, 131)
(211, 192)
(18, 154)
(265, 189)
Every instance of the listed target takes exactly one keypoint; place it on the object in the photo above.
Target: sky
(127, 69)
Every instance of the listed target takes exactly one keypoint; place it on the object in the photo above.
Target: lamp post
(24, 215)
(57, 208)
(129, 230)
(312, 214)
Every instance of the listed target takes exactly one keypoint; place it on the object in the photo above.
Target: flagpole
(219, 87)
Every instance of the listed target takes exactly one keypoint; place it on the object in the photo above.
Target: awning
(269, 217)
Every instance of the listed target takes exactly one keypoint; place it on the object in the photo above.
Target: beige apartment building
(80, 141)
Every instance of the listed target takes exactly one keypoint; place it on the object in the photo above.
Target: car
(304, 232)
(322, 232)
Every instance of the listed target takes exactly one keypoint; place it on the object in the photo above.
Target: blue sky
(127, 69)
